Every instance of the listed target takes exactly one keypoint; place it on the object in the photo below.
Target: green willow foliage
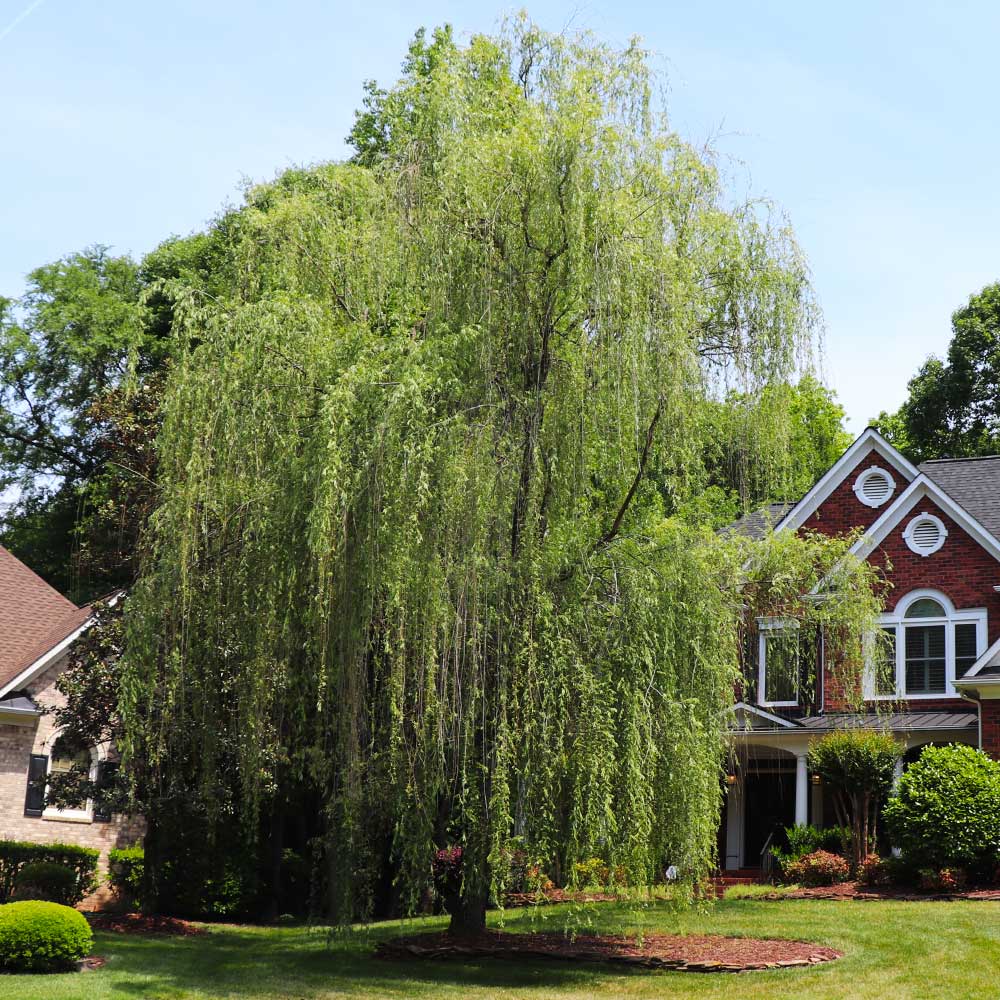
(413, 547)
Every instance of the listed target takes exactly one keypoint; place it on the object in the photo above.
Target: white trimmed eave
(923, 488)
(742, 706)
(869, 441)
(985, 688)
(44, 661)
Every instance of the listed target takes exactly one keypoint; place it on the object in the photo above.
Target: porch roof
(762, 721)
(898, 720)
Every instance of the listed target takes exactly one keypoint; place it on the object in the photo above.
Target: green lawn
(892, 951)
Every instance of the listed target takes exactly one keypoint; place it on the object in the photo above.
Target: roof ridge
(970, 458)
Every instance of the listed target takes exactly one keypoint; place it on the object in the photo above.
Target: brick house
(937, 529)
(37, 628)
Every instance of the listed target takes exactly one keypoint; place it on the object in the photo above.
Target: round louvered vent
(874, 487)
(925, 534)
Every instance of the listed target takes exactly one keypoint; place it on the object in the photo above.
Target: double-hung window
(924, 646)
(780, 649)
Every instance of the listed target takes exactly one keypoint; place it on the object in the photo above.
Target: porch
(768, 784)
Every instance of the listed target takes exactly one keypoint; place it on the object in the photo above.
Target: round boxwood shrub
(46, 880)
(36, 936)
(946, 810)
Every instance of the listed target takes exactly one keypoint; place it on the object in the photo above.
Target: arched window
(926, 644)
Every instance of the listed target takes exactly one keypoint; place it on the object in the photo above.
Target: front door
(769, 806)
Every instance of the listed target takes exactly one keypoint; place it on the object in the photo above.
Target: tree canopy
(415, 545)
(953, 407)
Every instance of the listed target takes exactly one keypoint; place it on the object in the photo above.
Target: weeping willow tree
(414, 547)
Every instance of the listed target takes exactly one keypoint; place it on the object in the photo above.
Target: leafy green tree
(953, 407)
(411, 550)
(82, 355)
(774, 445)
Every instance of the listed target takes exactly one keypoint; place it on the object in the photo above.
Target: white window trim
(897, 621)
(84, 815)
(859, 485)
(765, 625)
(911, 527)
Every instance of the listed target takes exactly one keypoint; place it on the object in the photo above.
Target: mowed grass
(892, 950)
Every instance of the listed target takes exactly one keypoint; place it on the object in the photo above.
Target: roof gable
(870, 446)
(34, 617)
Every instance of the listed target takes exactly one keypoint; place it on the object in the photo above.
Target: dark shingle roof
(973, 483)
(760, 522)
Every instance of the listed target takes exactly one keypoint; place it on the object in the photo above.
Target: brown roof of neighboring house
(34, 617)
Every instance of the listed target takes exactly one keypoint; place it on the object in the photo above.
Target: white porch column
(801, 790)
(897, 772)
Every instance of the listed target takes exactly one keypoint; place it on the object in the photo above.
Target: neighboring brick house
(936, 528)
(37, 628)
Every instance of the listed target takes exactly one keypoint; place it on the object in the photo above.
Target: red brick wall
(961, 569)
(842, 510)
(989, 714)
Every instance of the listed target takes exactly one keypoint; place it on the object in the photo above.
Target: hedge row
(15, 854)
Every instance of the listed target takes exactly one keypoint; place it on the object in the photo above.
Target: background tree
(953, 407)
(82, 355)
(413, 548)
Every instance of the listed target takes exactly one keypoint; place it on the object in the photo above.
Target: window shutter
(38, 769)
(105, 773)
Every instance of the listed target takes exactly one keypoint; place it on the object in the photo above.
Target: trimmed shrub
(803, 840)
(36, 936)
(946, 810)
(46, 880)
(818, 868)
(874, 871)
(942, 879)
(15, 854)
(126, 867)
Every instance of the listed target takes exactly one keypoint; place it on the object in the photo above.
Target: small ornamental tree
(858, 765)
(946, 809)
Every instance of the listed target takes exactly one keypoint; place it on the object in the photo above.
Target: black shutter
(105, 774)
(38, 770)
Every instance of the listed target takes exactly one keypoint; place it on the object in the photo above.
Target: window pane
(884, 663)
(926, 607)
(965, 648)
(925, 673)
(781, 666)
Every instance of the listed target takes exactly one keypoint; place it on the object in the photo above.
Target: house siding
(961, 569)
(842, 511)
(17, 743)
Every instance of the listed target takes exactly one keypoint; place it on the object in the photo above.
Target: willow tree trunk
(468, 915)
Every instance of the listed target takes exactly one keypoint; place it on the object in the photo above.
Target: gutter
(978, 702)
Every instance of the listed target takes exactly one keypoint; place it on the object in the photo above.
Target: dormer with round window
(874, 487)
(925, 534)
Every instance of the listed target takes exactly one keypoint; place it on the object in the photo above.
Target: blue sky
(873, 125)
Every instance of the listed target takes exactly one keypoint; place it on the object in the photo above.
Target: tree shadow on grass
(302, 963)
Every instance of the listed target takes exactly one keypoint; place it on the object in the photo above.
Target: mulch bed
(137, 923)
(855, 890)
(676, 952)
(519, 899)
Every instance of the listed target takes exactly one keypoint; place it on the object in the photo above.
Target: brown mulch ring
(855, 890)
(137, 923)
(518, 899)
(676, 952)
